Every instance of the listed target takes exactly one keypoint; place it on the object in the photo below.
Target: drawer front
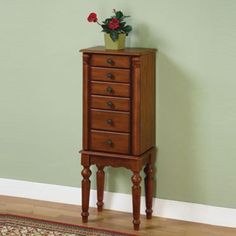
(110, 61)
(110, 103)
(110, 142)
(111, 75)
(111, 89)
(110, 120)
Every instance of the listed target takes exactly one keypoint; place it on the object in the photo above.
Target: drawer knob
(110, 76)
(109, 89)
(109, 121)
(110, 104)
(110, 61)
(109, 142)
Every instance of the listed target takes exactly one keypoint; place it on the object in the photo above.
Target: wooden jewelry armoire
(119, 120)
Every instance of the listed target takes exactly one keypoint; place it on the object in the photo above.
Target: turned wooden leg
(100, 187)
(148, 189)
(86, 172)
(136, 195)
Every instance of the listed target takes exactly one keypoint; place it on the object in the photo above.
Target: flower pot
(117, 45)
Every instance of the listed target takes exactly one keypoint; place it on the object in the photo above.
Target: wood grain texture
(126, 51)
(136, 103)
(110, 120)
(110, 89)
(136, 197)
(110, 103)
(143, 105)
(85, 183)
(110, 141)
(132, 163)
(121, 118)
(110, 74)
(100, 186)
(148, 189)
(147, 102)
(108, 219)
(86, 58)
(110, 61)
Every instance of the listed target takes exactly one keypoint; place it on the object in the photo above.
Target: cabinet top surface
(126, 51)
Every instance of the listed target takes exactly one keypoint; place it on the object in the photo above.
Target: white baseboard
(163, 208)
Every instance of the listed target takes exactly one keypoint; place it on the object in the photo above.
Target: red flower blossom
(114, 24)
(92, 17)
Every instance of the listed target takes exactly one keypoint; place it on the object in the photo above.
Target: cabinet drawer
(110, 120)
(110, 61)
(111, 75)
(110, 142)
(110, 103)
(112, 89)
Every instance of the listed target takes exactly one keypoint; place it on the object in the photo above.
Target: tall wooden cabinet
(119, 120)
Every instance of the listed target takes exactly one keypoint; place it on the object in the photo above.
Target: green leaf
(106, 21)
(122, 24)
(119, 14)
(114, 35)
(127, 29)
(104, 26)
(105, 29)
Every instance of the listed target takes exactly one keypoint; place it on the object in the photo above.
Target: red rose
(114, 24)
(92, 17)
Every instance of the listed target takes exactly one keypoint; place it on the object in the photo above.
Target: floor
(108, 219)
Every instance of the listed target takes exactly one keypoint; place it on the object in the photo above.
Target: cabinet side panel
(147, 100)
(86, 58)
(136, 105)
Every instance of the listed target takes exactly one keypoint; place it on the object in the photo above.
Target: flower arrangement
(113, 25)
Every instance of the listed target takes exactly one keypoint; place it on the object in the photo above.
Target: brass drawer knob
(109, 121)
(109, 142)
(110, 76)
(110, 61)
(110, 104)
(109, 89)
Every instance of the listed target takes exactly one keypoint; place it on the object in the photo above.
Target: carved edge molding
(86, 58)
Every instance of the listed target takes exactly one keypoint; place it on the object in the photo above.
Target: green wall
(41, 91)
